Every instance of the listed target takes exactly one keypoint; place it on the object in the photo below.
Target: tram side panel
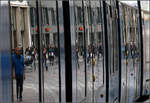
(111, 89)
(146, 53)
(130, 51)
(113, 53)
(123, 56)
(5, 63)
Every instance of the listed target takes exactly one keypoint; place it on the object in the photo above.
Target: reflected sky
(130, 2)
(145, 4)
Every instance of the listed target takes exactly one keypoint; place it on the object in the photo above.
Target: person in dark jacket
(19, 71)
(51, 52)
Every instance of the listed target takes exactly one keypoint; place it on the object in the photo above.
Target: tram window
(50, 53)
(40, 43)
(94, 50)
(21, 38)
(113, 42)
(47, 39)
(80, 52)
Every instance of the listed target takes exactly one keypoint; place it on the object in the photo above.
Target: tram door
(95, 50)
(89, 49)
(130, 53)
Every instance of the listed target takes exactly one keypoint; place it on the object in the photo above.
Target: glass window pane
(23, 18)
(50, 52)
(80, 54)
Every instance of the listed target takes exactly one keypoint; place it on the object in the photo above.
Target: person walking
(45, 58)
(18, 72)
(51, 52)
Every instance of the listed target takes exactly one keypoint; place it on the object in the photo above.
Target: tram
(83, 50)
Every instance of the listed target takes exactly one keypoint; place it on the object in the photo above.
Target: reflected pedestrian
(34, 57)
(77, 55)
(51, 52)
(44, 58)
(19, 71)
(100, 50)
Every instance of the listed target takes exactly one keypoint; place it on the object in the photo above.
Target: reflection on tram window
(80, 51)
(79, 15)
(89, 49)
(112, 41)
(131, 44)
(27, 37)
(50, 52)
(22, 14)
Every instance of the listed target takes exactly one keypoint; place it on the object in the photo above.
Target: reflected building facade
(20, 25)
(92, 23)
(24, 26)
(49, 24)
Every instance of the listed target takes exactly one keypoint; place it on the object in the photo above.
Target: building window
(31, 16)
(53, 16)
(22, 39)
(79, 15)
(14, 17)
(45, 16)
(89, 15)
(23, 19)
(15, 39)
(99, 15)
(35, 17)
(55, 38)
